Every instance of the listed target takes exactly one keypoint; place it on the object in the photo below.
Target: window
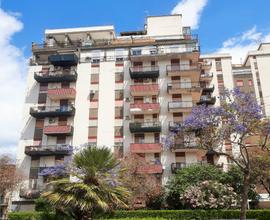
(138, 99)
(118, 112)
(156, 137)
(256, 65)
(175, 78)
(139, 138)
(92, 132)
(250, 83)
(94, 96)
(38, 133)
(119, 77)
(65, 85)
(119, 94)
(94, 78)
(42, 97)
(62, 121)
(176, 97)
(61, 139)
(136, 52)
(93, 113)
(239, 83)
(218, 64)
(118, 131)
(43, 87)
(177, 116)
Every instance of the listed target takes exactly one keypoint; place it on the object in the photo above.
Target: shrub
(35, 216)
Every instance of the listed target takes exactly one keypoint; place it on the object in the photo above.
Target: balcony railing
(63, 59)
(145, 148)
(139, 127)
(144, 89)
(144, 72)
(181, 105)
(62, 93)
(48, 150)
(207, 99)
(179, 87)
(208, 88)
(150, 169)
(29, 193)
(52, 111)
(173, 125)
(182, 70)
(144, 108)
(181, 165)
(56, 76)
(55, 130)
(206, 76)
(184, 145)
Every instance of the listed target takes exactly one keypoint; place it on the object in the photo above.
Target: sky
(224, 26)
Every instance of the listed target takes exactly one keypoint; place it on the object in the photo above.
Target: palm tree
(95, 185)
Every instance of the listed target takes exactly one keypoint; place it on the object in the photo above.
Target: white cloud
(12, 78)
(191, 11)
(239, 46)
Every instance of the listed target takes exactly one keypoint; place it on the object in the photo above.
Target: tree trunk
(244, 196)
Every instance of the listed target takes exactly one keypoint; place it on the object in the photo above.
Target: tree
(187, 177)
(210, 195)
(145, 188)
(238, 118)
(95, 185)
(10, 178)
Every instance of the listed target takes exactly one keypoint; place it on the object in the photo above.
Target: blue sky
(224, 26)
(220, 20)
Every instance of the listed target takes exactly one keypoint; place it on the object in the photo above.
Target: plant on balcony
(95, 185)
(238, 117)
(210, 195)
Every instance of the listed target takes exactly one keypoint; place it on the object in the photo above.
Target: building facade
(127, 92)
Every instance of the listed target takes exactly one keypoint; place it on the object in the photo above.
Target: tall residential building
(87, 85)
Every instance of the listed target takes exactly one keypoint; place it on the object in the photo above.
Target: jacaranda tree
(238, 118)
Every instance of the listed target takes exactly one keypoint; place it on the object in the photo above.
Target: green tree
(95, 185)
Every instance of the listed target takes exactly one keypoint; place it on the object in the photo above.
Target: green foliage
(193, 175)
(97, 187)
(192, 214)
(31, 216)
(190, 176)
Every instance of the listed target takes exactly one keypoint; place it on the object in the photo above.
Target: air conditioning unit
(51, 120)
(92, 92)
(127, 117)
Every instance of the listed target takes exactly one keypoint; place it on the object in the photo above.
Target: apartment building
(87, 85)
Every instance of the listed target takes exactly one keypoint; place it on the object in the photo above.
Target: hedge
(192, 214)
(158, 214)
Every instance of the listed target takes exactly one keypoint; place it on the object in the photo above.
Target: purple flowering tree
(236, 121)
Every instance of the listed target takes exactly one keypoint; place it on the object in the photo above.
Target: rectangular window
(65, 85)
(38, 133)
(177, 116)
(42, 97)
(94, 96)
(218, 64)
(156, 137)
(94, 78)
(239, 83)
(119, 94)
(250, 82)
(62, 121)
(118, 131)
(175, 78)
(119, 77)
(176, 97)
(139, 138)
(138, 99)
(61, 139)
(43, 87)
(93, 113)
(92, 132)
(118, 112)
(136, 52)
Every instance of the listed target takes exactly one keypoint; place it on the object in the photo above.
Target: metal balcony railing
(56, 76)
(46, 150)
(153, 126)
(52, 111)
(141, 72)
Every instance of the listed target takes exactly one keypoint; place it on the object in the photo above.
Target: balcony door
(175, 64)
(137, 66)
(139, 138)
(62, 121)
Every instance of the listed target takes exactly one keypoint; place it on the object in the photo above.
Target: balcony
(181, 165)
(206, 77)
(47, 47)
(144, 108)
(180, 106)
(184, 70)
(183, 87)
(144, 72)
(144, 89)
(55, 130)
(173, 126)
(56, 76)
(207, 100)
(29, 193)
(140, 127)
(52, 111)
(207, 88)
(63, 59)
(184, 145)
(48, 150)
(150, 169)
(145, 148)
(61, 93)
